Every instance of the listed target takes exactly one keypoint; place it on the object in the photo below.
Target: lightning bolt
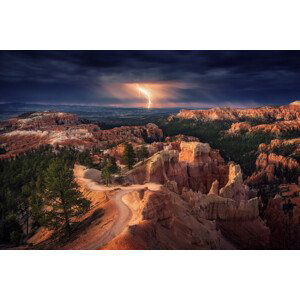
(145, 93)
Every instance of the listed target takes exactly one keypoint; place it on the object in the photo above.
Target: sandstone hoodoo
(194, 165)
(264, 140)
(191, 178)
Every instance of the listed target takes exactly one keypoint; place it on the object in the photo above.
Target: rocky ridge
(191, 178)
(280, 113)
(61, 129)
(270, 160)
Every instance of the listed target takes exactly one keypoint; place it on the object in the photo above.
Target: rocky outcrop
(162, 220)
(295, 105)
(193, 176)
(165, 219)
(214, 207)
(137, 134)
(284, 227)
(288, 112)
(238, 221)
(276, 128)
(92, 174)
(40, 120)
(181, 138)
(239, 127)
(271, 167)
(62, 129)
(277, 144)
(196, 166)
(235, 188)
(214, 190)
(271, 120)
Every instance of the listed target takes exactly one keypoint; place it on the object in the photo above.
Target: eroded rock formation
(272, 167)
(196, 166)
(61, 129)
(162, 220)
(276, 128)
(191, 177)
(280, 113)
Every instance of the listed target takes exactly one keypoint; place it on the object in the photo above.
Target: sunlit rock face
(40, 120)
(163, 220)
(268, 163)
(212, 190)
(195, 165)
(234, 187)
(285, 113)
(191, 210)
(295, 105)
(275, 128)
(61, 129)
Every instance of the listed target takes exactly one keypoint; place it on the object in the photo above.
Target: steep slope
(169, 219)
(196, 166)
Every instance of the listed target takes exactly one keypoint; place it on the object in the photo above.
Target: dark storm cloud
(215, 77)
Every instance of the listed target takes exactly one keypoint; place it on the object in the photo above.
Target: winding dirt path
(120, 222)
(124, 213)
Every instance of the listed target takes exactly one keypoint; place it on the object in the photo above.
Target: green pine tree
(109, 167)
(106, 175)
(110, 162)
(36, 202)
(142, 153)
(129, 156)
(62, 198)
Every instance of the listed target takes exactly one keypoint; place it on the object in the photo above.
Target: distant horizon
(141, 107)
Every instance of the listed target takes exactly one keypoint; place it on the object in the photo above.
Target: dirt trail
(123, 215)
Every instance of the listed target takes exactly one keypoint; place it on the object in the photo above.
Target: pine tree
(109, 167)
(129, 156)
(61, 196)
(110, 162)
(25, 207)
(142, 153)
(106, 175)
(36, 202)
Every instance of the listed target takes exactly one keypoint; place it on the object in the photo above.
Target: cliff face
(60, 129)
(196, 166)
(167, 220)
(39, 120)
(284, 227)
(272, 167)
(289, 112)
(212, 190)
(276, 161)
(163, 220)
(275, 128)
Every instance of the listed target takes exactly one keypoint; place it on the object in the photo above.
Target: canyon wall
(195, 165)
(286, 113)
(212, 190)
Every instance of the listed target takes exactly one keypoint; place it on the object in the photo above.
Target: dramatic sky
(171, 78)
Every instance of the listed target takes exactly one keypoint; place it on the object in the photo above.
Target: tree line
(37, 188)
